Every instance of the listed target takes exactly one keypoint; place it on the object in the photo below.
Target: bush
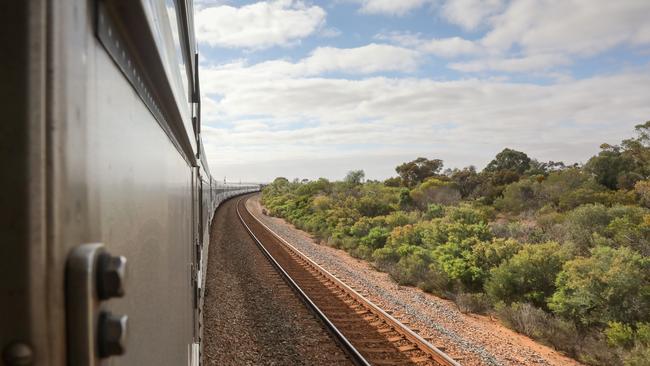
(642, 191)
(434, 190)
(529, 276)
(375, 239)
(490, 254)
(611, 285)
(619, 335)
(639, 356)
(520, 196)
(434, 211)
(476, 303)
(538, 324)
(562, 335)
(638, 343)
(523, 231)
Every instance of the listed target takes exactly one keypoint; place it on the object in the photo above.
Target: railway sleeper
(346, 319)
(366, 341)
(371, 350)
(392, 362)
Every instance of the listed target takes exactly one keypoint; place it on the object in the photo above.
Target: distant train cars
(107, 196)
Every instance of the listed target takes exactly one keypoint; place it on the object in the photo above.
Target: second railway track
(369, 335)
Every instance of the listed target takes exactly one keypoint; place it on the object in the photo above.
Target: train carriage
(107, 196)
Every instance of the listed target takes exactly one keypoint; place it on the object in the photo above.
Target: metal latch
(93, 276)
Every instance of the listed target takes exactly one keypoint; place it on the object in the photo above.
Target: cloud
(533, 35)
(578, 27)
(365, 60)
(259, 25)
(284, 117)
(369, 59)
(390, 7)
(517, 64)
(444, 47)
(469, 14)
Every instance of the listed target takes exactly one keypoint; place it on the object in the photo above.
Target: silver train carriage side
(106, 198)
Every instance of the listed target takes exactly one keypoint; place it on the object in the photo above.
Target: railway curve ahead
(251, 316)
(365, 332)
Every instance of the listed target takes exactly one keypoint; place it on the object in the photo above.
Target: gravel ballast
(251, 317)
(471, 339)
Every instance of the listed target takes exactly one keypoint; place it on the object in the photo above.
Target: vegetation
(560, 253)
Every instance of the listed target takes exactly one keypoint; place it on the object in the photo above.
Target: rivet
(18, 354)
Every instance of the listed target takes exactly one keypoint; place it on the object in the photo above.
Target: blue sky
(316, 88)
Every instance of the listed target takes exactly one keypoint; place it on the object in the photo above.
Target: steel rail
(422, 343)
(354, 354)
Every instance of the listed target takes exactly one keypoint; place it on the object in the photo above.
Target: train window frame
(138, 42)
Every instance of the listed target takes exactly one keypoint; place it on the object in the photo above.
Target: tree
(610, 285)
(393, 182)
(544, 168)
(466, 180)
(355, 177)
(561, 188)
(416, 171)
(638, 149)
(280, 181)
(610, 166)
(510, 160)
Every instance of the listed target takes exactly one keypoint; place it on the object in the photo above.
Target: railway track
(368, 334)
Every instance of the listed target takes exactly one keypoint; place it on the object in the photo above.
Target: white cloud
(469, 14)
(581, 27)
(450, 47)
(516, 64)
(259, 25)
(444, 47)
(299, 119)
(367, 59)
(537, 35)
(390, 7)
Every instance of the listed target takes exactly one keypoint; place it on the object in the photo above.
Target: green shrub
(434, 211)
(529, 276)
(619, 335)
(375, 239)
(490, 254)
(610, 285)
(520, 196)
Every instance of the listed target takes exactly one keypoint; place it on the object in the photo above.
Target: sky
(309, 89)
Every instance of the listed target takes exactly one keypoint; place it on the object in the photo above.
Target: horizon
(313, 89)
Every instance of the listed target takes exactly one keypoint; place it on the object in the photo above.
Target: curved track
(367, 333)
(251, 316)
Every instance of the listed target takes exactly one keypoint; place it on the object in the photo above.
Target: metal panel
(145, 34)
(144, 213)
(22, 187)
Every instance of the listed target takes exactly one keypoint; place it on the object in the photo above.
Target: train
(107, 196)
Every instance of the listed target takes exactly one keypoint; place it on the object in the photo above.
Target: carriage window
(180, 60)
(170, 43)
